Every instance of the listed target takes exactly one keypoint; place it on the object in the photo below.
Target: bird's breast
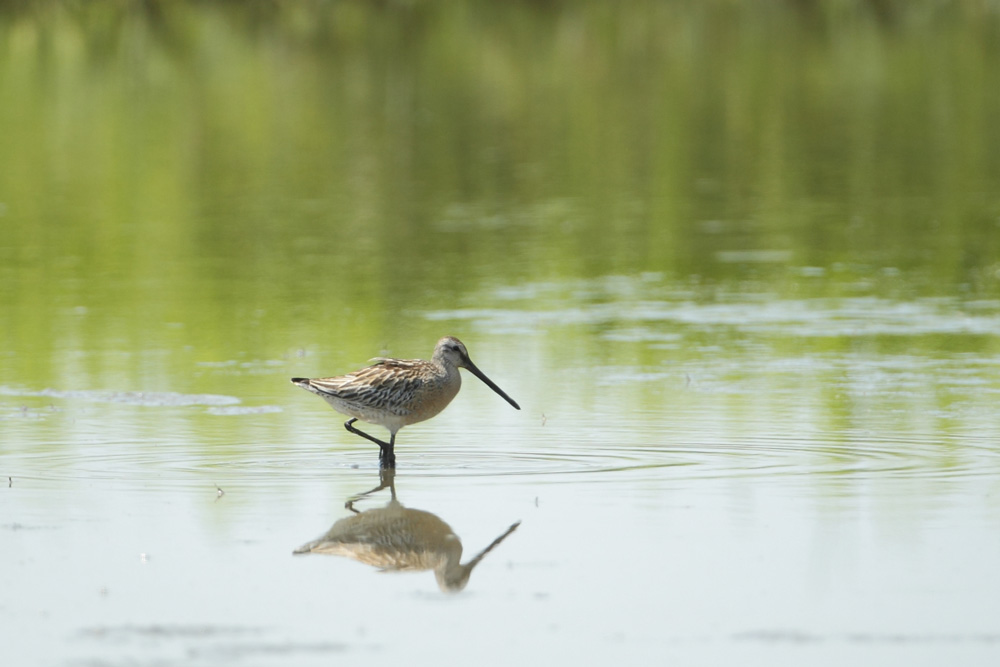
(434, 396)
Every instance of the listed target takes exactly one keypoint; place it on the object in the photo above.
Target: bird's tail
(305, 383)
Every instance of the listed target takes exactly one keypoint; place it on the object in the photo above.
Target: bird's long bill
(489, 383)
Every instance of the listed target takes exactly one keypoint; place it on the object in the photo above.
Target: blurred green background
(191, 182)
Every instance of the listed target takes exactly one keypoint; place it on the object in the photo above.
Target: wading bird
(398, 392)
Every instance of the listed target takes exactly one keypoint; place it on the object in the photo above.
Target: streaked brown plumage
(398, 392)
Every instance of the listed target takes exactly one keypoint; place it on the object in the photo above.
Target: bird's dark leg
(349, 427)
(386, 456)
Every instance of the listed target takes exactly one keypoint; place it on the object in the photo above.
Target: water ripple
(688, 458)
(691, 460)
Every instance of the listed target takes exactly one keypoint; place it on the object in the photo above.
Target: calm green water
(738, 262)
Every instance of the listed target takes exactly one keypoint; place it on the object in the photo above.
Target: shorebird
(397, 538)
(398, 392)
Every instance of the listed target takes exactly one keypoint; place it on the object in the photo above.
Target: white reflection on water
(144, 398)
(763, 313)
(395, 538)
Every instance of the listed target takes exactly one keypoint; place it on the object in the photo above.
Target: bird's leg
(386, 457)
(348, 425)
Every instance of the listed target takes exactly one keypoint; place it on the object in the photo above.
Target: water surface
(738, 265)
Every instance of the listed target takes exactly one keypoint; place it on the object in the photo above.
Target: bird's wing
(388, 383)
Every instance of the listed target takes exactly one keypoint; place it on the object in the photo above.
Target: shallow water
(730, 502)
(738, 267)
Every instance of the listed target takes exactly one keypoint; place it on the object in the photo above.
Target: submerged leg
(386, 457)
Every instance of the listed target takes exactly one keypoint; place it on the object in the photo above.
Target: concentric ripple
(685, 460)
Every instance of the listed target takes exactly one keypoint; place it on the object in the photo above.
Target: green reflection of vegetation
(227, 179)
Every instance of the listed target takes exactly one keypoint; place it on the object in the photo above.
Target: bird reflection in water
(400, 539)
